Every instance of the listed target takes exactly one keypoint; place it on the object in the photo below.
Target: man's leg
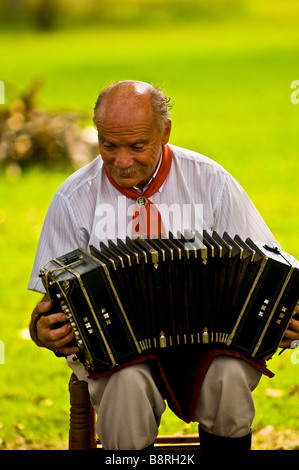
(225, 410)
(129, 406)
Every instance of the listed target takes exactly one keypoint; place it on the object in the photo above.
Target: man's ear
(166, 132)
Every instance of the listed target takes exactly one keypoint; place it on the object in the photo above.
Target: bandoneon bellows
(134, 296)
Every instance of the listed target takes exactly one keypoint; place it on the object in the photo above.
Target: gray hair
(162, 104)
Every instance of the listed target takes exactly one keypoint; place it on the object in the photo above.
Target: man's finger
(57, 334)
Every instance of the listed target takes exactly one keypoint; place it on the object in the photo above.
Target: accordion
(135, 296)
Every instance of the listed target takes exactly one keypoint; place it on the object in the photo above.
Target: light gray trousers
(129, 405)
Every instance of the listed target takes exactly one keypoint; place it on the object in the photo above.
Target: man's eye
(137, 147)
(107, 145)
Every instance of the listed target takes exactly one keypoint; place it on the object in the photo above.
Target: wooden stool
(82, 434)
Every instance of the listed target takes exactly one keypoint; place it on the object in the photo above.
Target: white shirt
(198, 193)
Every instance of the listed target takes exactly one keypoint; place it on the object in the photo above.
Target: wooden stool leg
(82, 435)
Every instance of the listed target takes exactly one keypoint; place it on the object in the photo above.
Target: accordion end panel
(83, 290)
(270, 305)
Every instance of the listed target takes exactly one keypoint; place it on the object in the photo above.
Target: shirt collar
(152, 178)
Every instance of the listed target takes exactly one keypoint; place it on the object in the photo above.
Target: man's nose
(123, 159)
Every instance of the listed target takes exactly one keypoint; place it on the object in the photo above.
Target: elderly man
(133, 123)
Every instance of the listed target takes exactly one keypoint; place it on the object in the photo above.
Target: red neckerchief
(147, 219)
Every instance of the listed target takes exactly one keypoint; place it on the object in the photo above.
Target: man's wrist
(33, 329)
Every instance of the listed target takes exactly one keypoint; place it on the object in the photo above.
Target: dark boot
(211, 442)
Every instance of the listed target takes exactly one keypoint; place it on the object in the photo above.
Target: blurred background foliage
(228, 65)
(50, 14)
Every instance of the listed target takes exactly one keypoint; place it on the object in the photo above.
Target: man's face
(130, 139)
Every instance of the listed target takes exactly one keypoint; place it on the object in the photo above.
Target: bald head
(127, 88)
(132, 94)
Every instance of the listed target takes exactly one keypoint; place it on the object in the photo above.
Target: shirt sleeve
(60, 234)
(236, 214)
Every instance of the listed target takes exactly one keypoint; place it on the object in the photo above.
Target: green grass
(230, 81)
(34, 411)
(34, 396)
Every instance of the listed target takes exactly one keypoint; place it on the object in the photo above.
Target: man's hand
(292, 332)
(48, 336)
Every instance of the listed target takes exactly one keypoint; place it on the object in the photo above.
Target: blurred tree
(46, 14)
(42, 13)
(29, 136)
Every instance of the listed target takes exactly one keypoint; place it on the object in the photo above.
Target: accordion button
(163, 342)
